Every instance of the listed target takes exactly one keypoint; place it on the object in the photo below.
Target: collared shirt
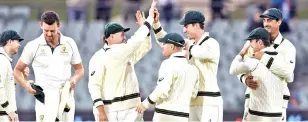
(205, 56)
(268, 96)
(112, 73)
(284, 63)
(51, 68)
(177, 83)
(7, 83)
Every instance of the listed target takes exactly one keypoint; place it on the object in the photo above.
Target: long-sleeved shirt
(268, 96)
(7, 84)
(205, 56)
(177, 83)
(112, 78)
(282, 65)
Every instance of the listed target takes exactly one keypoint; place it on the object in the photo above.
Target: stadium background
(229, 29)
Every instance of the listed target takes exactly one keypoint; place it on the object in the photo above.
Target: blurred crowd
(170, 9)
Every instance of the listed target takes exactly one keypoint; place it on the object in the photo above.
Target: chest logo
(160, 79)
(42, 51)
(64, 49)
(92, 73)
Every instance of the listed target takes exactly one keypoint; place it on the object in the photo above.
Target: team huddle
(186, 90)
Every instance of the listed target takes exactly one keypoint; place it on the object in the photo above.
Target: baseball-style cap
(113, 27)
(9, 35)
(40, 96)
(272, 13)
(173, 38)
(259, 33)
(192, 17)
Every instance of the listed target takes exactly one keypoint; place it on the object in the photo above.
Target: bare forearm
(19, 77)
(78, 74)
(100, 109)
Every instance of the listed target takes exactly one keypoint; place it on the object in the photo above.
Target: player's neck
(199, 34)
(8, 51)
(56, 41)
(274, 35)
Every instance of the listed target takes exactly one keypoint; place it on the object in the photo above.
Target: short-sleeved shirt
(52, 67)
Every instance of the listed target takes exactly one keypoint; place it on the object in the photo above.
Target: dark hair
(4, 43)
(201, 25)
(265, 42)
(104, 39)
(50, 17)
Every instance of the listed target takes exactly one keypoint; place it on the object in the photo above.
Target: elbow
(232, 72)
(81, 72)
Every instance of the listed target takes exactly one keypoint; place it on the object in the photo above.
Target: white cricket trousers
(4, 118)
(48, 112)
(284, 114)
(213, 113)
(128, 115)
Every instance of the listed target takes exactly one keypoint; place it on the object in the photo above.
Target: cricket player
(52, 54)
(9, 45)
(284, 63)
(265, 101)
(178, 82)
(113, 84)
(203, 51)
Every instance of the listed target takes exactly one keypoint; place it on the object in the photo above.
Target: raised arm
(158, 29)
(146, 45)
(125, 52)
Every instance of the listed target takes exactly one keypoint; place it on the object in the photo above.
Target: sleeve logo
(160, 79)
(92, 73)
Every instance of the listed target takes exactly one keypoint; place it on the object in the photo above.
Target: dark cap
(40, 96)
(113, 27)
(192, 17)
(259, 33)
(9, 35)
(173, 38)
(272, 13)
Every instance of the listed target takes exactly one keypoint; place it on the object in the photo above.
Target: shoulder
(213, 41)
(210, 41)
(34, 43)
(69, 40)
(4, 61)
(97, 55)
(288, 43)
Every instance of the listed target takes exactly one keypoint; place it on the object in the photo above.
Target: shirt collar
(178, 54)
(43, 41)
(278, 39)
(5, 54)
(106, 47)
(203, 36)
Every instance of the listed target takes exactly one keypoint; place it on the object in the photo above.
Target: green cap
(113, 27)
(272, 13)
(9, 35)
(173, 38)
(192, 17)
(259, 33)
